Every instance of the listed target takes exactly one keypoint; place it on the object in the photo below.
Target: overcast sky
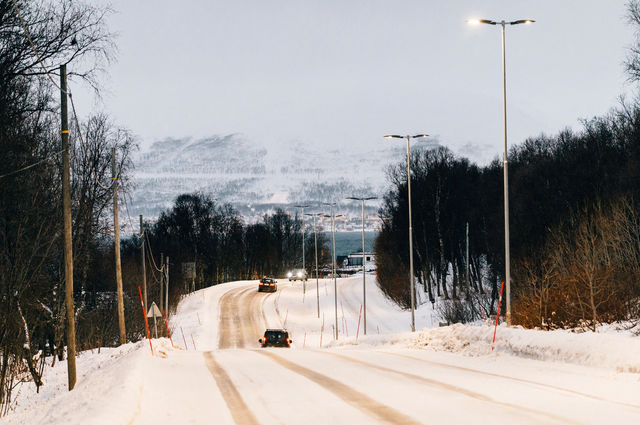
(341, 73)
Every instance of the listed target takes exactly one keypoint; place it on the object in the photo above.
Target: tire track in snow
(230, 319)
(355, 398)
(236, 405)
(454, 388)
(522, 380)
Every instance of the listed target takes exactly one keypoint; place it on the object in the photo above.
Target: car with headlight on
(297, 274)
(275, 338)
(267, 284)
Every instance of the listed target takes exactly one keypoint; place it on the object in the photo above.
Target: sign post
(154, 312)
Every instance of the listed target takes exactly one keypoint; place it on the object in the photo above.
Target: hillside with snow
(257, 179)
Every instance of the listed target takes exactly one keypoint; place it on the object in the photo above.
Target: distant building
(354, 260)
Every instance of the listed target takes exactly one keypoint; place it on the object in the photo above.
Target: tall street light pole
(333, 252)
(304, 281)
(411, 279)
(315, 240)
(507, 256)
(364, 283)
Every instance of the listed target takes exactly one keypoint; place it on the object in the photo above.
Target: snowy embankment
(388, 327)
(127, 384)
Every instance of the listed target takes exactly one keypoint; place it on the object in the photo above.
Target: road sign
(154, 311)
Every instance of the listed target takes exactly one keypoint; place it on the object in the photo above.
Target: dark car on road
(275, 338)
(267, 284)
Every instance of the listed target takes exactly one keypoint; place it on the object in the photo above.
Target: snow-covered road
(223, 377)
(384, 383)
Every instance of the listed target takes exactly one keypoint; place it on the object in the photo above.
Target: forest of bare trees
(574, 228)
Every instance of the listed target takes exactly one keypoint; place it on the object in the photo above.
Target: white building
(354, 260)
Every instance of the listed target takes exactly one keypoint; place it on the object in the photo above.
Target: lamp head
(480, 21)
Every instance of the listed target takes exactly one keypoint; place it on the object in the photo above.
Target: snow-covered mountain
(257, 179)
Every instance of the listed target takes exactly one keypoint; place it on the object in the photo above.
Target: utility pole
(304, 281)
(364, 270)
(333, 253)
(315, 240)
(467, 263)
(166, 279)
(116, 229)
(144, 268)
(335, 280)
(68, 249)
(315, 243)
(161, 282)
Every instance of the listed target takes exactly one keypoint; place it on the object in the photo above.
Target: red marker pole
(146, 323)
(358, 331)
(184, 339)
(167, 325)
(497, 316)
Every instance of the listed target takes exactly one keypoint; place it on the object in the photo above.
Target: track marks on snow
(511, 378)
(355, 398)
(238, 408)
(449, 387)
(238, 326)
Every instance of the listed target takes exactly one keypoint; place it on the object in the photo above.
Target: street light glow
(522, 21)
(480, 21)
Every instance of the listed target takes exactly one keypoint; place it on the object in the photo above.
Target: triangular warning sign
(154, 311)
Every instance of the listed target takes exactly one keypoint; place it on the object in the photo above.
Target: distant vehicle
(275, 338)
(297, 274)
(267, 284)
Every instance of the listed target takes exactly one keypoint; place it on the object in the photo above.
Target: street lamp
(364, 285)
(315, 238)
(333, 252)
(304, 281)
(507, 261)
(411, 280)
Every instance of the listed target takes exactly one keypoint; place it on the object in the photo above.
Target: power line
(46, 71)
(32, 165)
(151, 255)
(133, 232)
(33, 47)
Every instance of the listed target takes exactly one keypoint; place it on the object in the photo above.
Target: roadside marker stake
(200, 323)
(145, 320)
(497, 316)
(167, 325)
(359, 316)
(184, 339)
(194, 343)
(322, 329)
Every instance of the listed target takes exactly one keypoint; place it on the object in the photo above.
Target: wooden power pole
(161, 282)
(166, 280)
(116, 228)
(144, 270)
(68, 249)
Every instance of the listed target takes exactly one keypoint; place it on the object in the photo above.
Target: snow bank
(618, 352)
(106, 391)
(388, 329)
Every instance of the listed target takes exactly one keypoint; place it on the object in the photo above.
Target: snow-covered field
(391, 375)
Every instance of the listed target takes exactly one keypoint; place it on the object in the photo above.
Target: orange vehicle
(267, 284)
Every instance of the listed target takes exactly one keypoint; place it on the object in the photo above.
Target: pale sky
(343, 73)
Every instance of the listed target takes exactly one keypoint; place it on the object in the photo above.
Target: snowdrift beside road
(119, 385)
